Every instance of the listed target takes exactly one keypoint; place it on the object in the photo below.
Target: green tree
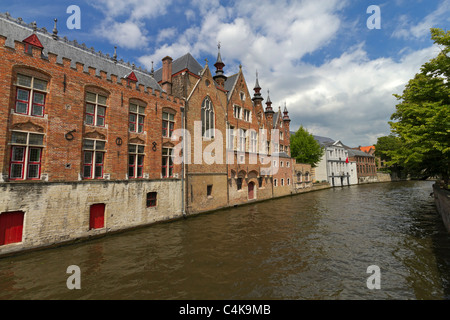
(384, 148)
(422, 118)
(304, 148)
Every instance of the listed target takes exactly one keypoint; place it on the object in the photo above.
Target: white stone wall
(59, 212)
(353, 173)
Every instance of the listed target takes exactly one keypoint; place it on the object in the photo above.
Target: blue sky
(318, 57)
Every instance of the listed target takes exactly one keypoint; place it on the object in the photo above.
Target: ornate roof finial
(115, 54)
(152, 72)
(55, 30)
(257, 82)
(34, 26)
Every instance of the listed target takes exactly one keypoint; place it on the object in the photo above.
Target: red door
(251, 188)
(97, 216)
(11, 227)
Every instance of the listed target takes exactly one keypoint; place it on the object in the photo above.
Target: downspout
(183, 206)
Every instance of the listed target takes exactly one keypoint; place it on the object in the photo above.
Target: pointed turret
(285, 114)
(257, 98)
(268, 104)
(220, 77)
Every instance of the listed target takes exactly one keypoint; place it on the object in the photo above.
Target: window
(231, 137)
(281, 135)
(30, 96)
(239, 183)
(276, 148)
(275, 183)
(282, 182)
(281, 164)
(26, 156)
(209, 190)
(167, 162)
(242, 139)
(136, 121)
(288, 164)
(207, 118)
(168, 124)
(247, 115)
(135, 161)
(253, 141)
(237, 112)
(95, 109)
(94, 156)
(260, 182)
(151, 199)
(275, 163)
(299, 177)
(288, 182)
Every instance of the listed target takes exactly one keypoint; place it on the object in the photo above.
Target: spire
(220, 77)
(257, 96)
(285, 114)
(269, 104)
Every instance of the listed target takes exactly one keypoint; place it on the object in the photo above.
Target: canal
(316, 245)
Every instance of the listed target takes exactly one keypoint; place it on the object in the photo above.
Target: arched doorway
(251, 190)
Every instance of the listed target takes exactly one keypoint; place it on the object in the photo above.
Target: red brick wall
(65, 111)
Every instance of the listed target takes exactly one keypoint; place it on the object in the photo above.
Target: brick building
(365, 165)
(81, 147)
(236, 135)
(90, 144)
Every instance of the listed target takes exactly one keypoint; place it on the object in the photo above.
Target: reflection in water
(311, 246)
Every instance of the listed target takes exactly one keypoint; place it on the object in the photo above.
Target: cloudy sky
(336, 76)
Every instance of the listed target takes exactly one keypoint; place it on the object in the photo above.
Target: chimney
(166, 83)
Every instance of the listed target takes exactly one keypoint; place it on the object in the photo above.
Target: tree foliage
(422, 118)
(304, 148)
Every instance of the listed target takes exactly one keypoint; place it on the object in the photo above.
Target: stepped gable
(17, 30)
(186, 62)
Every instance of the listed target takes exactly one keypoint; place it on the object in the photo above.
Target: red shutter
(11, 227)
(97, 216)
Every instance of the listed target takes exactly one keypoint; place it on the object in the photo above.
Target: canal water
(316, 245)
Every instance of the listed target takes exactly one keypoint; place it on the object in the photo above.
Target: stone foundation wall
(59, 212)
(442, 200)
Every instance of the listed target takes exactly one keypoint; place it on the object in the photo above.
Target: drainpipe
(183, 207)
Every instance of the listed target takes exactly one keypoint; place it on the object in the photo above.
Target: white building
(334, 167)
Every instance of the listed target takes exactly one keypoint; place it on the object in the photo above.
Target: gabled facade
(250, 169)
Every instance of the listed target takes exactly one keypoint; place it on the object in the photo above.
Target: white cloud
(351, 97)
(348, 97)
(127, 34)
(407, 30)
